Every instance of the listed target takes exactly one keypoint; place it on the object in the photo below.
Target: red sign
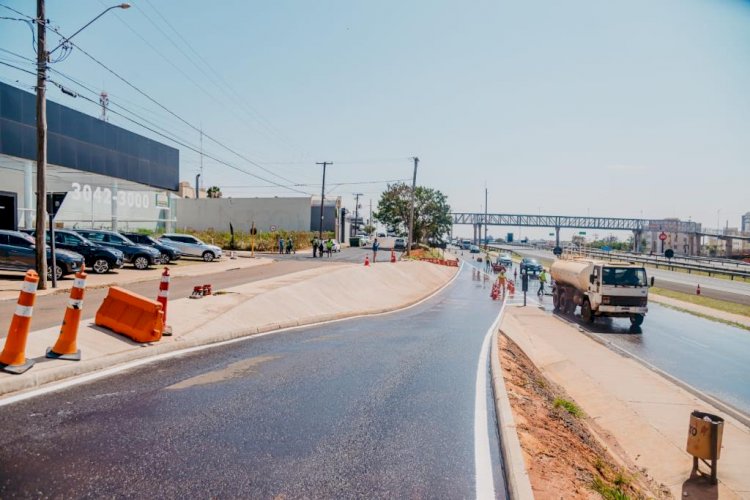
(663, 236)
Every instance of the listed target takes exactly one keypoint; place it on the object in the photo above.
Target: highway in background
(710, 356)
(365, 408)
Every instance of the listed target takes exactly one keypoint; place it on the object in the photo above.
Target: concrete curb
(516, 475)
(106, 365)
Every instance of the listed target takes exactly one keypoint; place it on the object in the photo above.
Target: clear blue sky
(622, 108)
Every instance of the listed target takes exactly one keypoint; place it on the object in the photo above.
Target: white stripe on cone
(24, 311)
(79, 282)
(29, 287)
(75, 303)
(163, 293)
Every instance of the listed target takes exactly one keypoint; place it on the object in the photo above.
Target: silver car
(191, 246)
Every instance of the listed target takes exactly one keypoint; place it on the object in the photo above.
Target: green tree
(431, 211)
(213, 192)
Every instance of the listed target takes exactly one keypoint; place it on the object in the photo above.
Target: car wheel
(58, 272)
(208, 256)
(141, 262)
(100, 266)
(164, 258)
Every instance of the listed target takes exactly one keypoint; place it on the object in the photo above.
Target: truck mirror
(652, 281)
(592, 279)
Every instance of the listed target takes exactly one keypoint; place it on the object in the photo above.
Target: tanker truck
(614, 289)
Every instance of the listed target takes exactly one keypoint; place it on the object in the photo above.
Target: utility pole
(41, 144)
(356, 213)
(197, 186)
(411, 206)
(485, 216)
(322, 196)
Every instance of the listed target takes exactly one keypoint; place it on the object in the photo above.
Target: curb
(516, 474)
(109, 365)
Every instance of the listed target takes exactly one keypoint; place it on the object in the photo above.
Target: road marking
(189, 350)
(484, 479)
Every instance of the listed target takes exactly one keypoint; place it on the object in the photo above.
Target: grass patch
(608, 492)
(707, 316)
(721, 305)
(568, 406)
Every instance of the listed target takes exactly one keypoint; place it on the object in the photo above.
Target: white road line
(174, 354)
(484, 479)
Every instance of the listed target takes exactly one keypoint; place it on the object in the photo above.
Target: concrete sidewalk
(645, 415)
(318, 294)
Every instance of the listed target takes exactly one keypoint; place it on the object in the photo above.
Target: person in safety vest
(542, 280)
(501, 279)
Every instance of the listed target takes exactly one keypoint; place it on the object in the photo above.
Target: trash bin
(704, 440)
(354, 241)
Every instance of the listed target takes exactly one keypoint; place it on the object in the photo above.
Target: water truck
(614, 289)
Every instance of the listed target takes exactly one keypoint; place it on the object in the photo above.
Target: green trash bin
(354, 241)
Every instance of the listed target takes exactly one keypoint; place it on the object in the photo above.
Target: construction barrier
(66, 346)
(132, 315)
(442, 262)
(163, 298)
(13, 358)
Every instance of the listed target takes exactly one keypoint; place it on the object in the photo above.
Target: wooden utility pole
(322, 196)
(41, 144)
(411, 206)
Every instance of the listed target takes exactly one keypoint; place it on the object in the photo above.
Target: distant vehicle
(465, 244)
(399, 244)
(530, 266)
(18, 253)
(167, 253)
(381, 235)
(505, 260)
(189, 245)
(99, 259)
(364, 240)
(473, 249)
(615, 289)
(391, 234)
(140, 256)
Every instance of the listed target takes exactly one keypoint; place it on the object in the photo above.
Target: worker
(315, 247)
(542, 280)
(501, 279)
(375, 247)
(281, 245)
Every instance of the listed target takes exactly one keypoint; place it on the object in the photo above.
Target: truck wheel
(586, 313)
(556, 299)
(637, 319)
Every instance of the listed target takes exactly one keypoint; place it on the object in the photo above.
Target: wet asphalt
(371, 407)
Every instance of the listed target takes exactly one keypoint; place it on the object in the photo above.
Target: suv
(399, 244)
(18, 253)
(168, 253)
(530, 265)
(98, 258)
(140, 256)
(192, 246)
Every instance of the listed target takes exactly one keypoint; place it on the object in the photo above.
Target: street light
(43, 57)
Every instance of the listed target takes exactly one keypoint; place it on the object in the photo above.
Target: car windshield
(624, 276)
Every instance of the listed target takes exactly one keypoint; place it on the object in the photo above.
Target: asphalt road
(49, 309)
(373, 407)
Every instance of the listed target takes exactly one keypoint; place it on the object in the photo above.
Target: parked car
(530, 266)
(99, 259)
(399, 244)
(191, 246)
(18, 253)
(505, 260)
(473, 249)
(140, 256)
(168, 253)
(364, 240)
(381, 235)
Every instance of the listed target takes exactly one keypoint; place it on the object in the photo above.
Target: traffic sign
(254, 230)
(582, 233)
(557, 251)
(273, 228)
(606, 248)
(663, 236)
(669, 253)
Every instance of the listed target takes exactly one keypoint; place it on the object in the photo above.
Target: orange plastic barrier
(13, 358)
(132, 315)
(66, 346)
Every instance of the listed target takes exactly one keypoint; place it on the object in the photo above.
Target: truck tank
(572, 272)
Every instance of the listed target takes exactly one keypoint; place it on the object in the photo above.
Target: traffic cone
(163, 298)
(698, 290)
(13, 358)
(393, 256)
(66, 347)
(367, 261)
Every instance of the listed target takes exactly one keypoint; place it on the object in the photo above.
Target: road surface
(373, 407)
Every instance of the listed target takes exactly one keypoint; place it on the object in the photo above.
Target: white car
(364, 240)
(191, 246)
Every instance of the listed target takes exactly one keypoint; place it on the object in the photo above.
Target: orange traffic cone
(66, 346)
(13, 358)
(367, 261)
(393, 256)
(698, 290)
(163, 298)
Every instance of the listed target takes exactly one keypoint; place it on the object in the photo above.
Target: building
(331, 216)
(268, 214)
(745, 225)
(103, 175)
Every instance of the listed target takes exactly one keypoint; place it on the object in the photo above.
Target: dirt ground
(563, 456)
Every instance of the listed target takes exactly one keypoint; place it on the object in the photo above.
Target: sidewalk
(699, 309)
(645, 415)
(10, 285)
(310, 296)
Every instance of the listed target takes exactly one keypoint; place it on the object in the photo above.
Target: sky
(620, 108)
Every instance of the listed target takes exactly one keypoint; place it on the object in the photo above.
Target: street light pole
(42, 58)
(356, 212)
(322, 196)
(485, 217)
(411, 206)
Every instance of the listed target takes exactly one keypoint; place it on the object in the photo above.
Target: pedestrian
(542, 280)
(321, 248)
(315, 247)
(289, 245)
(375, 247)
(501, 279)
(329, 247)
(281, 244)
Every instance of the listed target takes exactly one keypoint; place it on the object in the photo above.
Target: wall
(287, 214)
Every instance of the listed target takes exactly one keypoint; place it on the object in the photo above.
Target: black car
(98, 258)
(530, 266)
(18, 253)
(168, 253)
(140, 256)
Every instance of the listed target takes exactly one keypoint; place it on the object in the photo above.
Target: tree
(213, 192)
(369, 229)
(431, 211)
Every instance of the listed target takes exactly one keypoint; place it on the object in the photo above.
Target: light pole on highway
(43, 58)
(411, 206)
